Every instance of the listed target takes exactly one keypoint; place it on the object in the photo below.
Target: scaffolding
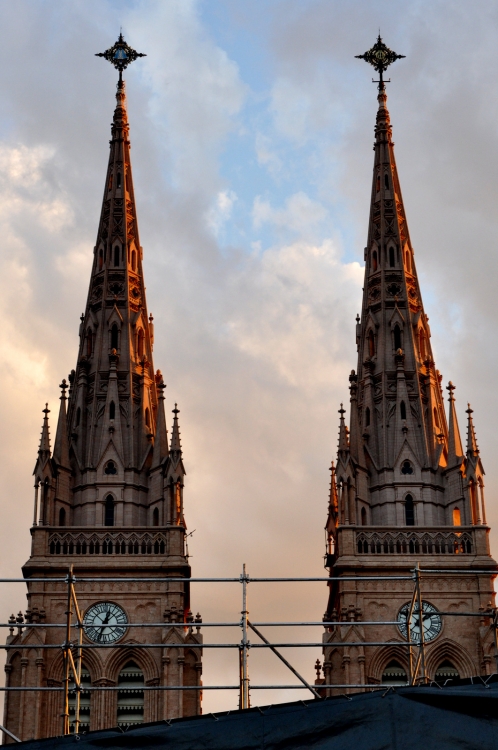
(73, 645)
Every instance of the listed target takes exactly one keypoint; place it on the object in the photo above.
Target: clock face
(105, 622)
(431, 622)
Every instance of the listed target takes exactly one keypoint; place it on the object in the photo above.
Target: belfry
(109, 502)
(404, 489)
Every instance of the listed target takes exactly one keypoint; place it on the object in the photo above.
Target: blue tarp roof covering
(463, 716)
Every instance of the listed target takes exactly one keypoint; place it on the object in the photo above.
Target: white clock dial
(105, 622)
(431, 622)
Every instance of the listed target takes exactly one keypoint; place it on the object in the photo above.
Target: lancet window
(109, 511)
(394, 674)
(409, 511)
(391, 257)
(84, 713)
(371, 343)
(114, 336)
(397, 337)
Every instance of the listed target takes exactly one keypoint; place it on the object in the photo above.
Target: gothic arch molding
(91, 660)
(455, 653)
(120, 656)
(381, 659)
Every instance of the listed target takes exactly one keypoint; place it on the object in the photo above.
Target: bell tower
(109, 502)
(404, 490)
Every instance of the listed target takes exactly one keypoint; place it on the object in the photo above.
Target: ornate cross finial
(120, 55)
(380, 57)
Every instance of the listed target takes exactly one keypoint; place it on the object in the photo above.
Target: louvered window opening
(84, 702)
(394, 674)
(130, 696)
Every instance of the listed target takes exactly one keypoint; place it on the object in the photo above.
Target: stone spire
(161, 450)
(455, 450)
(113, 402)
(472, 447)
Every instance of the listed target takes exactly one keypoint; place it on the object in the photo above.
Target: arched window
(386, 182)
(422, 344)
(473, 502)
(436, 417)
(408, 263)
(78, 417)
(363, 517)
(118, 180)
(391, 257)
(109, 511)
(155, 517)
(112, 410)
(134, 260)
(114, 336)
(402, 409)
(394, 674)
(367, 417)
(374, 260)
(409, 511)
(371, 344)
(85, 682)
(147, 417)
(377, 186)
(62, 517)
(130, 696)
(397, 337)
(110, 182)
(101, 260)
(446, 671)
(89, 342)
(457, 521)
(116, 255)
(140, 344)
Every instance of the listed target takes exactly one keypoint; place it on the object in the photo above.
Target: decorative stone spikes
(455, 450)
(61, 445)
(472, 447)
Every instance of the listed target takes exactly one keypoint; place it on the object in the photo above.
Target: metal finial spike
(380, 57)
(120, 55)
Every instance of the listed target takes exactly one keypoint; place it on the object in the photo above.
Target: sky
(252, 132)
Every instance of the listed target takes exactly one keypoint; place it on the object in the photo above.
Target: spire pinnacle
(120, 55)
(161, 438)
(175, 448)
(343, 432)
(455, 450)
(44, 449)
(380, 57)
(472, 447)
(61, 445)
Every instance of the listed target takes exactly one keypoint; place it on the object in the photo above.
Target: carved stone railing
(108, 543)
(424, 542)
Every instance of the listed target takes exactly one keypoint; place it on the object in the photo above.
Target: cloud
(220, 213)
(300, 215)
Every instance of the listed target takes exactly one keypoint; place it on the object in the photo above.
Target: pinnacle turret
(455, 450)
(472, 447)
(61, 445)
(175, 447)
(44, 449)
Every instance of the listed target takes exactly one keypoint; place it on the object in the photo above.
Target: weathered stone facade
(109, 501)
(403, 491)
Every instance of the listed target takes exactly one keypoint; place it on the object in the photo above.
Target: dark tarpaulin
(425, 718)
